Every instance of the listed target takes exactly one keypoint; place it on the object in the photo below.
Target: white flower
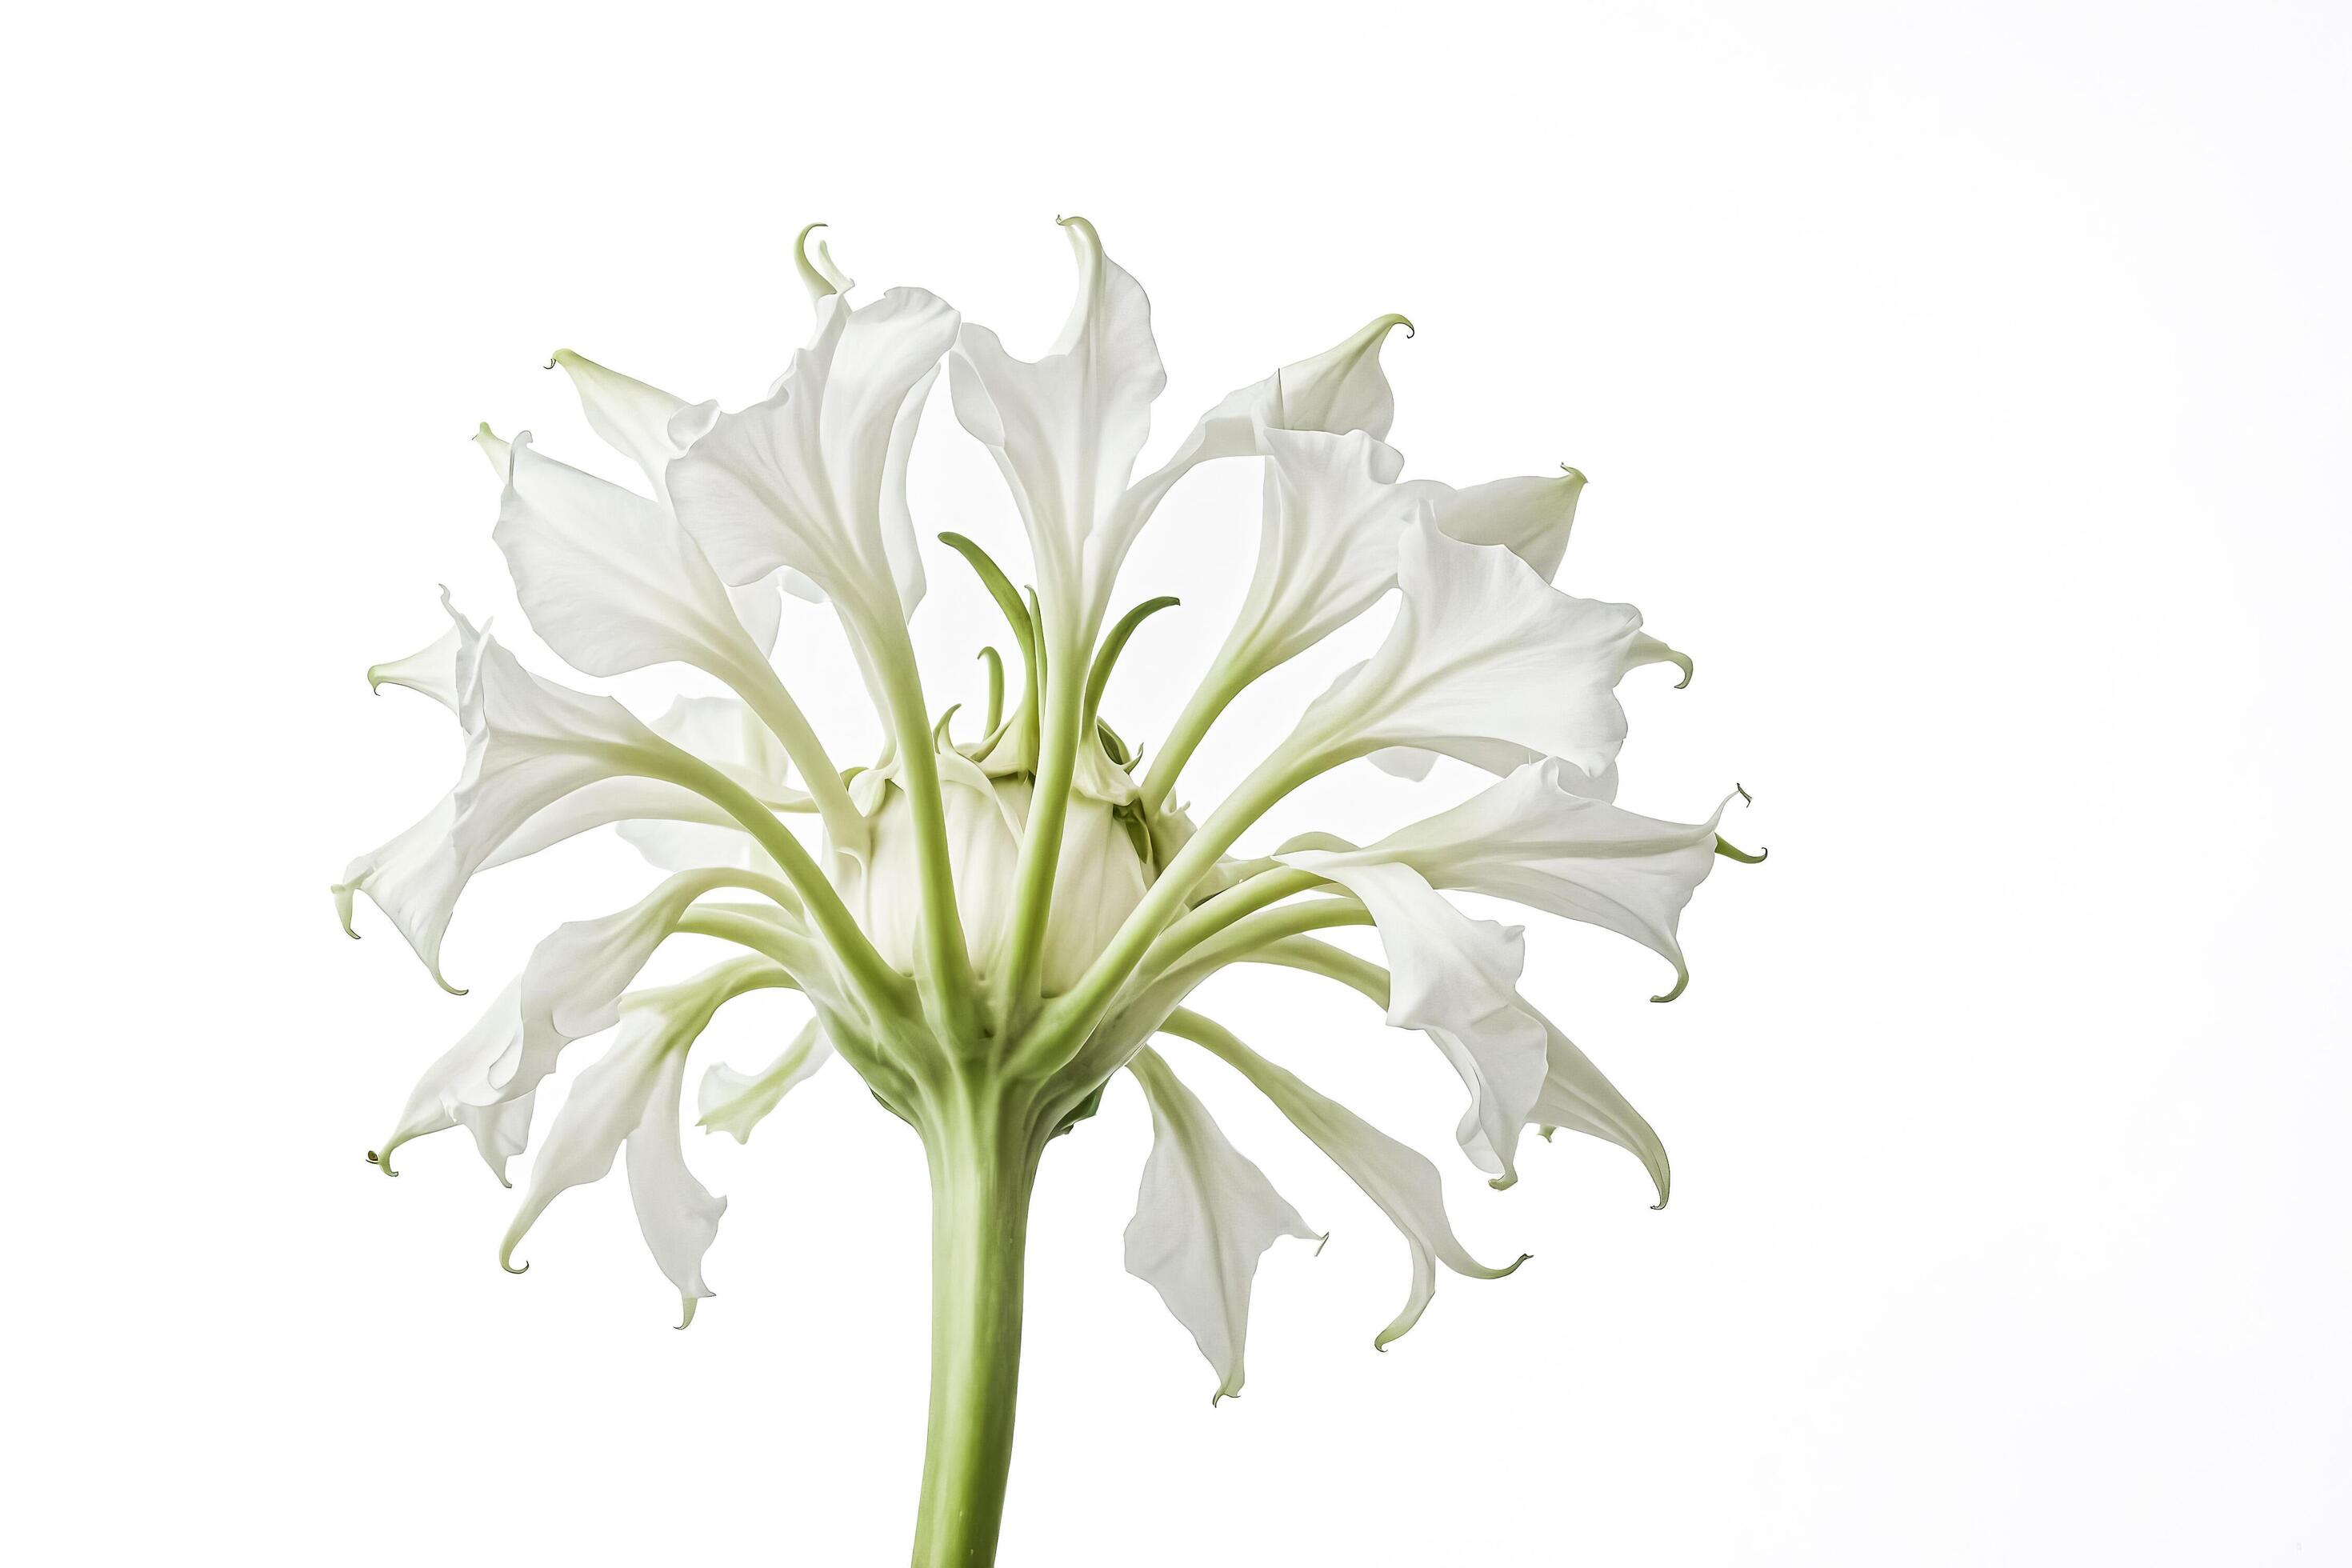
(987, 929)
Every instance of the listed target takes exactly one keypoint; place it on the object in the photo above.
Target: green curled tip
(1742, 791)
(691, 1302)
(1731, 851)
(1000, 588)
(1098, 678)
(1503, 1184)
(1514, 1267)
(1321, 1242)
(506, 1257)
(817, 283)
(1682, 983)
(381, 1162)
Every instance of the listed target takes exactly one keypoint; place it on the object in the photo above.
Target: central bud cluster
(1104, 872)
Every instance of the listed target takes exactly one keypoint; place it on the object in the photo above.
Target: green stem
(949, 998)
(1041, 843)
(983, 1166)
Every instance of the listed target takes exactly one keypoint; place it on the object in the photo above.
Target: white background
(1965, 386)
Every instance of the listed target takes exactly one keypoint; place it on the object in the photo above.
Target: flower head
(996, 914)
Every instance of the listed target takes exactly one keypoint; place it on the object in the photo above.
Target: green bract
(987, 929)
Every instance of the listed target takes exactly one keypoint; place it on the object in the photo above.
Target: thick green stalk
(983, 1162)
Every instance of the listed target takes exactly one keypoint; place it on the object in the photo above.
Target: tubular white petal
(676, 1213)
(1341, 389)
(495, 448)
(1066, 428)
(1483, 651)
(1456, 980)
(433, 669)
(1404, 1186)
(538, 742)
(630, 1095)
(1537, 838)
(1578, 1097)
(1326, 549)
(735, 1103)
(623, 800)
(608, 578)
(644, 424)
(1204, 1214)
(529, 744)
(443, 1097)
(1530, 517)
(814, 477)
(571, 986)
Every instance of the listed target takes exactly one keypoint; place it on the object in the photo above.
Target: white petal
(571, 986)
(1203, 1216)
(1539, 838)
(1456, 980)
(1576, 1096)
(415, 879)
(1483, 651)
(608, 801)
(609, 580)
(1405, 1186)
(1530, 517)
(433, 669)
(734, 1102)
(1066, 428)
(1404, 761)
(440, 1100)
(644, 424)
(630, 1094)
(676, 1213)
(1326, 549)
(537, 742)
(814, 477)
(531, 743)
(1341, 389)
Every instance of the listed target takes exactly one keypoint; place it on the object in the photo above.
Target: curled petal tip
(382, 1162)
(1742, 791)
(1321, 1242)
(1730, 851)
(690, 1303)
(511, 1268)
(1514, 1269)
(1682, 983)
(1504, 1183)
(1690, 668)
(1656, 1206)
